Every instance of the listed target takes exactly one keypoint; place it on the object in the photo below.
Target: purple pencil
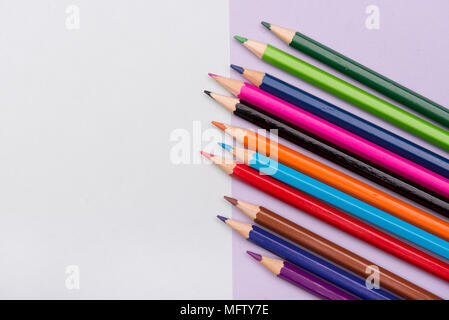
(302, 279)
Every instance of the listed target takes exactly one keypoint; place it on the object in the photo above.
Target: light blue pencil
(340, 200)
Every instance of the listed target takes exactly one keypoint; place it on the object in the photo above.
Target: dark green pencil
(364, 75)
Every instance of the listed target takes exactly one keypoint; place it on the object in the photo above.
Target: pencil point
(219, 125)
(207, 155)
(213, 75)
(225, 146)
(222, 218)
(240, 39)
(266, 25)
(237, 68)
(231, 200)
(256, 256)
(208, 93)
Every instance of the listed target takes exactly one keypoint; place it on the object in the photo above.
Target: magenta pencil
(341, 137)
(302, 279)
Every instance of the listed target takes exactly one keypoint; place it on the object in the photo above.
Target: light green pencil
(348, 92)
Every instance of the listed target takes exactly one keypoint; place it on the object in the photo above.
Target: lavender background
(410, 47)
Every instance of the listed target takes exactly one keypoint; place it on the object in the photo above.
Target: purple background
(411, 47)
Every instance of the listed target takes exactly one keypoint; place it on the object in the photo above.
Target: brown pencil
(330, 250)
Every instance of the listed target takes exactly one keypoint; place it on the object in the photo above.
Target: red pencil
(332, 216)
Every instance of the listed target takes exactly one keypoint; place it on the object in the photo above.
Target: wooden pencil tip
(225, 146)
(222, 218)
(213, 75)
(237, 68)
(208, 93)
(207, 155)
(266, 25)
(219, 125)
(231, 200)
(256, 256)
(240, 39)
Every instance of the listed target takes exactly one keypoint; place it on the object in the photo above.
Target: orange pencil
(338, 180)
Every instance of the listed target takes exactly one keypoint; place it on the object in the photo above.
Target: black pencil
(331, 152)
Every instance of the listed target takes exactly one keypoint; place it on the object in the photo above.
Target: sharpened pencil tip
(231, 200)
(208, 93)
(222, 218)
(213, 75)
(266, 25)
(207, 155)
(240, 39)
(256, 256)
(225, 146)
(237, 68)
(219, 125)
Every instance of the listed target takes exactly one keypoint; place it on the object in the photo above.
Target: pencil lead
(208, 93)
(266, 25)
(240, 39)
(237, 68)
(213, 75)
(231, 200)
(225, 146)
(256, 256)
(222, 218)
(219, 125)
(207, 155)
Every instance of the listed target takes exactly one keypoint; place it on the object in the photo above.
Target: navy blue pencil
(308, 261)
(346, 120)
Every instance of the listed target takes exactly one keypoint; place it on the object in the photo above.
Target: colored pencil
(332, 216)
(338, 180)
(335, 134)
(330, 251)
(348, 92)
(301, 278)
(347, 120)
(341, 200)
(331, 152)
(308, 261)
(362, 74)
